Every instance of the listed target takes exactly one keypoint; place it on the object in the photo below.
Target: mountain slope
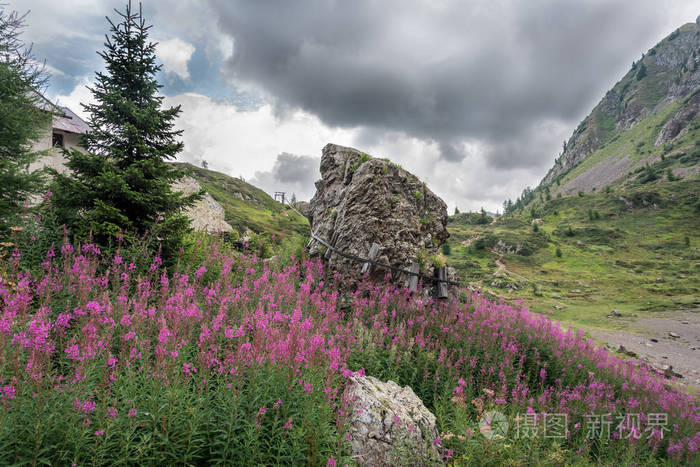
(248, 207)
(615, 224)
(652, 112)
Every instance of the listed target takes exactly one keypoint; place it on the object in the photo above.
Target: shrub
(558, 252)
(446, 249)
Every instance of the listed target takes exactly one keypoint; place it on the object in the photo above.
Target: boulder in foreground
(389, 424)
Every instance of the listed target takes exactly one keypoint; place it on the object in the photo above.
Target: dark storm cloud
(452, 72)
(291, 173)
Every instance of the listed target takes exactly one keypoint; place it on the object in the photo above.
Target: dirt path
(651, 340)
(470, 240)
(501, 267)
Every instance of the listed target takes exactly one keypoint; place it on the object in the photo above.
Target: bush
(446, 249)
(558, 252)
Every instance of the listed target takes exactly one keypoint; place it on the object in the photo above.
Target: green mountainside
(247, 207)
(615, 223)
(631, 249)
(648, 117)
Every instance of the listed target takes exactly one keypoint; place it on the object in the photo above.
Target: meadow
(112, 358)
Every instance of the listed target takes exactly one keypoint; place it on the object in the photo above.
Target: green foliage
(446, 249)
(418, 194)
(121, 187)
(438, 260)
(641, 72)
(580, 194)
(535, 227)
(23, 116)
(558, 252)
(649, 174)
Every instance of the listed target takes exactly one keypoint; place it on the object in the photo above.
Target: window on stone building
(57, 140)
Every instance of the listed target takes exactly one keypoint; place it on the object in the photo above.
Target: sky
(474, 97)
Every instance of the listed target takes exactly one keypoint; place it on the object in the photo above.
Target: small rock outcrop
(206, 214)
(303, 207)
(679, 124)
(389, 424)
(361, 200)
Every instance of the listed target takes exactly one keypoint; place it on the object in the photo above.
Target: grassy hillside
(248, 207)
(635, 249)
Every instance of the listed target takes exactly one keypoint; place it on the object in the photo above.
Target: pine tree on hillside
(122, 184)
(23, 115)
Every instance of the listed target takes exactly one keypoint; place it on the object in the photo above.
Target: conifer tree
(23, 115)
(121, 186)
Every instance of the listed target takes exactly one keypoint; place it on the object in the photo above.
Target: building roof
(68, 121)
(64, 119)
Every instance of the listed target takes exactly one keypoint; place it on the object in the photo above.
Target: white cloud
(79, 95)
(175, 55)
(243, 142)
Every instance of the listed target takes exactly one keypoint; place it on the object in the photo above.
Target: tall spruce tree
(121, 185)
(23, 116)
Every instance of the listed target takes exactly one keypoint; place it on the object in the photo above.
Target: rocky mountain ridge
(666, 77)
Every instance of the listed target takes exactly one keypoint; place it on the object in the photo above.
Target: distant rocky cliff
(361, 200)
(667, 73)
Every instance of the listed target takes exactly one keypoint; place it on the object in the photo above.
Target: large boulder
(361, 200)
(388, 424)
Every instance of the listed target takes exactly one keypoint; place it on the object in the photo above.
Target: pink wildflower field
(239, 361)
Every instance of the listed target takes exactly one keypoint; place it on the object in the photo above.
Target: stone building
(66, 128)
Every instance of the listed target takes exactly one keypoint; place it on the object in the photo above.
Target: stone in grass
(616, 313)
(623, 350)
(389, 425)
(674, 335)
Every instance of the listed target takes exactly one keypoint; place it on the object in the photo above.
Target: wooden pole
(412, 282)
(442, 283)
(373, 251)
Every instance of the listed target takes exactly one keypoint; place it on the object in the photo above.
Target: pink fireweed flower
(331, 462)
(99, 432)
(287, 425)
(8, 392)
(112, 413)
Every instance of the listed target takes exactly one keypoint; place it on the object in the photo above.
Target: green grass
(248, 207)
(609, 263)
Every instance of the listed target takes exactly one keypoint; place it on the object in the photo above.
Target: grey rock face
(389, 424)
(303, 207)
(361, 200)
(677, 126)
(206, 214)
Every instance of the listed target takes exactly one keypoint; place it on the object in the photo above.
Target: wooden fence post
(373, 251)
(332, 241)
(311, 240)
(442, 283)
(412, 282)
